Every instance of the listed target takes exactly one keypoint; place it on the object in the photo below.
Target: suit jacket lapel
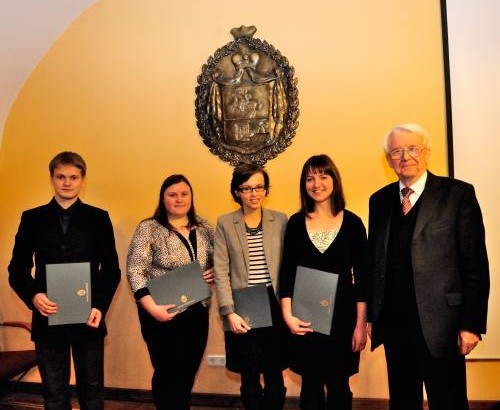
(428, 203)
(241, 233)
(386, 213)
(267, 227)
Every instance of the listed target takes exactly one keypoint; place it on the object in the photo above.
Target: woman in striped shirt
(248, 246)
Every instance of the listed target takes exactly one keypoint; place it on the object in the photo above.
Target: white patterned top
(322, 239)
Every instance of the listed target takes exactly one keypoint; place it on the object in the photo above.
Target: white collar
(418, 187)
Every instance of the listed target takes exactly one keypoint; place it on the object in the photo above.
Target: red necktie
(406, 204)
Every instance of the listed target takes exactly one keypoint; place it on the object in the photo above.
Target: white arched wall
(28, 28)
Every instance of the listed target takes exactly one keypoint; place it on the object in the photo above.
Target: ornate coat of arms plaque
(247, 100)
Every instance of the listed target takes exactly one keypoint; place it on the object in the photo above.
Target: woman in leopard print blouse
(173, 237)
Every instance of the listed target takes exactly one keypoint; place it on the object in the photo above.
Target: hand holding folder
(68, 285)
(182, 287)
(314, 298)
(252, 305)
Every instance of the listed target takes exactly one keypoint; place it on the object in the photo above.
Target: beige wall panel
(118, 87)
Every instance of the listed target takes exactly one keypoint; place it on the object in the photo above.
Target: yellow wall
(118, 87)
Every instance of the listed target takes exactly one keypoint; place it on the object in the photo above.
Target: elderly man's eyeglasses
(245, 189)
(413, 152)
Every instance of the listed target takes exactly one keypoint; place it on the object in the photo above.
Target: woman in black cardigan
(324, 235)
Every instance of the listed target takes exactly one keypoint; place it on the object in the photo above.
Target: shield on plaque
(246, 100)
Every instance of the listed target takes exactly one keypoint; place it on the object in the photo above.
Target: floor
(30, 401)
(18, 400)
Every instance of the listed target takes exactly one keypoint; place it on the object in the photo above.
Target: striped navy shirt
(258, 271)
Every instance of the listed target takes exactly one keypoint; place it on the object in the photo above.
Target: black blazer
(89, 238)
(449, 259)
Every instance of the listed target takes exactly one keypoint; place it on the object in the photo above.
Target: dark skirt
(265, 348)
(315, 353)
(328, 354)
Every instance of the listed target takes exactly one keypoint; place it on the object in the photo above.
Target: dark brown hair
(161, 215)
(321, 164)
(242, 173)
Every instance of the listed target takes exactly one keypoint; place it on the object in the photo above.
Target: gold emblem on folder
(324, 303)
(81, 292)
(184, 298)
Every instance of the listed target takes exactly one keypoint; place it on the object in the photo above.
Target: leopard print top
(154, 250)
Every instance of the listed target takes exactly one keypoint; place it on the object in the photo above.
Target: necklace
(254, 231)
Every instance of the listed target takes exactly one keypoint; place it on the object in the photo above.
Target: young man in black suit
(64, 231)
(429, 281)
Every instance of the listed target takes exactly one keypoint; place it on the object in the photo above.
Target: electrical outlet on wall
(216, 360)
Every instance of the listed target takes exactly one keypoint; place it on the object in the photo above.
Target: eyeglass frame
(416, 152)
(249, 189)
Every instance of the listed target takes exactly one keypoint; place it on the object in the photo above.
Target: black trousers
(410, 365)
(176, 349)
(54, 361)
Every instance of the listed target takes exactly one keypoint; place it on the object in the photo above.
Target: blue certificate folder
(182, 287)
(68, 285)
(252, 304)
(314, 298)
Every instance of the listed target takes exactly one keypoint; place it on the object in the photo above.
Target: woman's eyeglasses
(245, 189)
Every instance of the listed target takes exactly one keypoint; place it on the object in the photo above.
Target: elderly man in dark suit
(429, 277)
(65, 231)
